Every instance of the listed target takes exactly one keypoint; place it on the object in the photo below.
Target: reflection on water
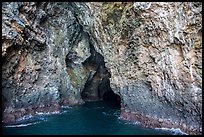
(93, 118)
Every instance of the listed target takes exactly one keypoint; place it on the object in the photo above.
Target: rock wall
(37, 38)
(153, 52)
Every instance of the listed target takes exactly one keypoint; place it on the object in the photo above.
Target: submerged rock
(150, 54)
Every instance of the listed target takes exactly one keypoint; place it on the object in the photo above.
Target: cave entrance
(103, 92)
(97, 86)
(112, 98)
(107, 94)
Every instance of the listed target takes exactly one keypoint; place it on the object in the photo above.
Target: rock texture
(35, 73)
(152, 51)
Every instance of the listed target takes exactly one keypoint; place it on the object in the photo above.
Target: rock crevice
(149, 54)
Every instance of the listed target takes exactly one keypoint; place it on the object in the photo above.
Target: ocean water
(92, 118)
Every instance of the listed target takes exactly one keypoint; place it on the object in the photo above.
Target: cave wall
(153, 52)
(37, 37)
(48, 61)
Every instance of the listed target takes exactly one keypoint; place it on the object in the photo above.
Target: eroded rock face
(153, 52)
(35, 74)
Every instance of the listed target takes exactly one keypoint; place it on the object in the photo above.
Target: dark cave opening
(97, 86)
(106, 93)
(100, 92)
(112, 98)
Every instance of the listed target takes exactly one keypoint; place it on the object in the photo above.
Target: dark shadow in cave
(112, 98)
(102, 92)
(97, 86)
(106, 93)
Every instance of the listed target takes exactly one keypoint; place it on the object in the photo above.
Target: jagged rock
(151, 50)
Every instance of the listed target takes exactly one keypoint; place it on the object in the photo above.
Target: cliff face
(58, 54)
(35, 70)
(153, 51)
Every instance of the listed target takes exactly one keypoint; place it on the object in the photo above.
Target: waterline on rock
(47, 113)
(26, 117)
(66, 107)
(174, 131)
(93, 118)
(23, 125)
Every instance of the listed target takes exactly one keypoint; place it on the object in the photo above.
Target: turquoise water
(93, 118)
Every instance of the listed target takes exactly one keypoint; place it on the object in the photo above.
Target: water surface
(93, 118)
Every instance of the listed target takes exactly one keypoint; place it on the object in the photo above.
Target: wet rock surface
(53, 53)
